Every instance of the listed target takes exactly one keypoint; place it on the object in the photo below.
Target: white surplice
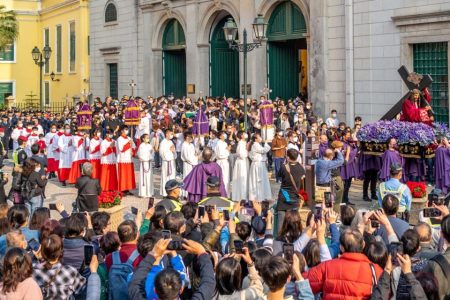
(15, 134)
(144, 127)
(49, 141)
(188, 157)
(32, 139)
(145, 155)
(168, 171)
(221, 154)
(258, 183)
(65, 145)
(239, 184)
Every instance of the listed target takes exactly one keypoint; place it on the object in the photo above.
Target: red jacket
(346, 277)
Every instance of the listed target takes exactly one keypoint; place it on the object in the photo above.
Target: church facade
(344, 54)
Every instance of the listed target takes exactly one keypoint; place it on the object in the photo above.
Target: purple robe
(201, 124)
(442, 168)
(389, 157)
(195, 181)
(414, 167)
(322, 148)
(350, 169)
(368, 162)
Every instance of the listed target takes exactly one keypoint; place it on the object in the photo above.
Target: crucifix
(132, 85)
(266, 91)
(412, 81)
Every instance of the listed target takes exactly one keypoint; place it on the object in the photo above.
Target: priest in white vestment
(168, 156)
(239, 184)
(221, 153)
(188, 154)
(259, 184)
(145, 155)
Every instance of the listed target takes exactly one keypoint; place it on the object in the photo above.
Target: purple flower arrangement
(404, 132)
(441, 130)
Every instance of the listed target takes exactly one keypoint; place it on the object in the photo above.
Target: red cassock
(79, 159)
(125, 164)
(108, 175)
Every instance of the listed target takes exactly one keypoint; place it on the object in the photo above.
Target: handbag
(299, 192)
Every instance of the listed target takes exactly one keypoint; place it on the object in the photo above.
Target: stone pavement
(55, 192)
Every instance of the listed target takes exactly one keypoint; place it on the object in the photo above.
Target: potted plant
(111, 202)
(419, 194)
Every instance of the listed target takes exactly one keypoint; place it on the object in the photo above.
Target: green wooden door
(174, 59)
(175, 73)
(6, 90)
(113, 81)
(432, 59)
(283, 72)
(224, 65)
(286, 34)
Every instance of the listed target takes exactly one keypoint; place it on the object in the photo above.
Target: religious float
(415, 140)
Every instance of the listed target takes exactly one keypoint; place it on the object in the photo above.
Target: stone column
(192, 51)
(318, 60)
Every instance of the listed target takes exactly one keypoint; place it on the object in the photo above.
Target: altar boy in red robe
(108, 175)
(125, 147)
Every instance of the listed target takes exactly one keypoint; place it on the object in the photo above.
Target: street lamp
(259, 30)
(40, 59)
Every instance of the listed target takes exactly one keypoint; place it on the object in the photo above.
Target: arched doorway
(287, 54)
(174, 59)
(224, 64)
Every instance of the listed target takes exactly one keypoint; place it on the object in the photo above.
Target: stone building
(343, 53)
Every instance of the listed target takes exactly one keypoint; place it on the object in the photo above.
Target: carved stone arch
(164, 18)
(206, 25)
(267, 6)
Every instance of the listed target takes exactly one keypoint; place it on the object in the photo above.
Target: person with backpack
(439, 265)
(122, 263)
(32, 185)
(20, 155)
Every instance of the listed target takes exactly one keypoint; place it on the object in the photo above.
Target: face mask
(146, 140)
(170, 137)
(334, 115)
(53, 130)
(99, 134)
(110, 136)
(308, 107)
(2, 134)
(126, 132)
(37, 169)
(67, 131)
(20, 125)
(280, 133)
(34, 132)
(113, 117)
(295, 139)
(224, 136)
(245, 136)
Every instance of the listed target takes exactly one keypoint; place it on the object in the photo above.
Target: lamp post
(259, 30)
(40, 59)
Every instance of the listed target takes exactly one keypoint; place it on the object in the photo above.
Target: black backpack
(27, 191)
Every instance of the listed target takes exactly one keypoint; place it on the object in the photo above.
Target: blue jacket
(28, 233)
(324, 167)
(177, 264)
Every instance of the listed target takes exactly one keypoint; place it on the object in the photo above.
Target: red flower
(418, 189)
(109, 199)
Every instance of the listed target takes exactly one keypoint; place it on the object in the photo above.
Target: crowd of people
(218, 232)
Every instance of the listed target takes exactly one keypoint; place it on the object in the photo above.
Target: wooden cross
(412, 81)
(132, 84)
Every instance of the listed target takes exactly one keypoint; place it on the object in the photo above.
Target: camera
(175, 245)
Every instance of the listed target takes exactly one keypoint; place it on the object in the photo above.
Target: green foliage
(9, 27)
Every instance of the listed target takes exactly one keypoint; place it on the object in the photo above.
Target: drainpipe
(349, 71)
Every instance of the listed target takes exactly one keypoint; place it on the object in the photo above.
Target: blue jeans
(278, 162)
(33, 204)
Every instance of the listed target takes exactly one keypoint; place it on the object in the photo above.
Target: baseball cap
(173, 184)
